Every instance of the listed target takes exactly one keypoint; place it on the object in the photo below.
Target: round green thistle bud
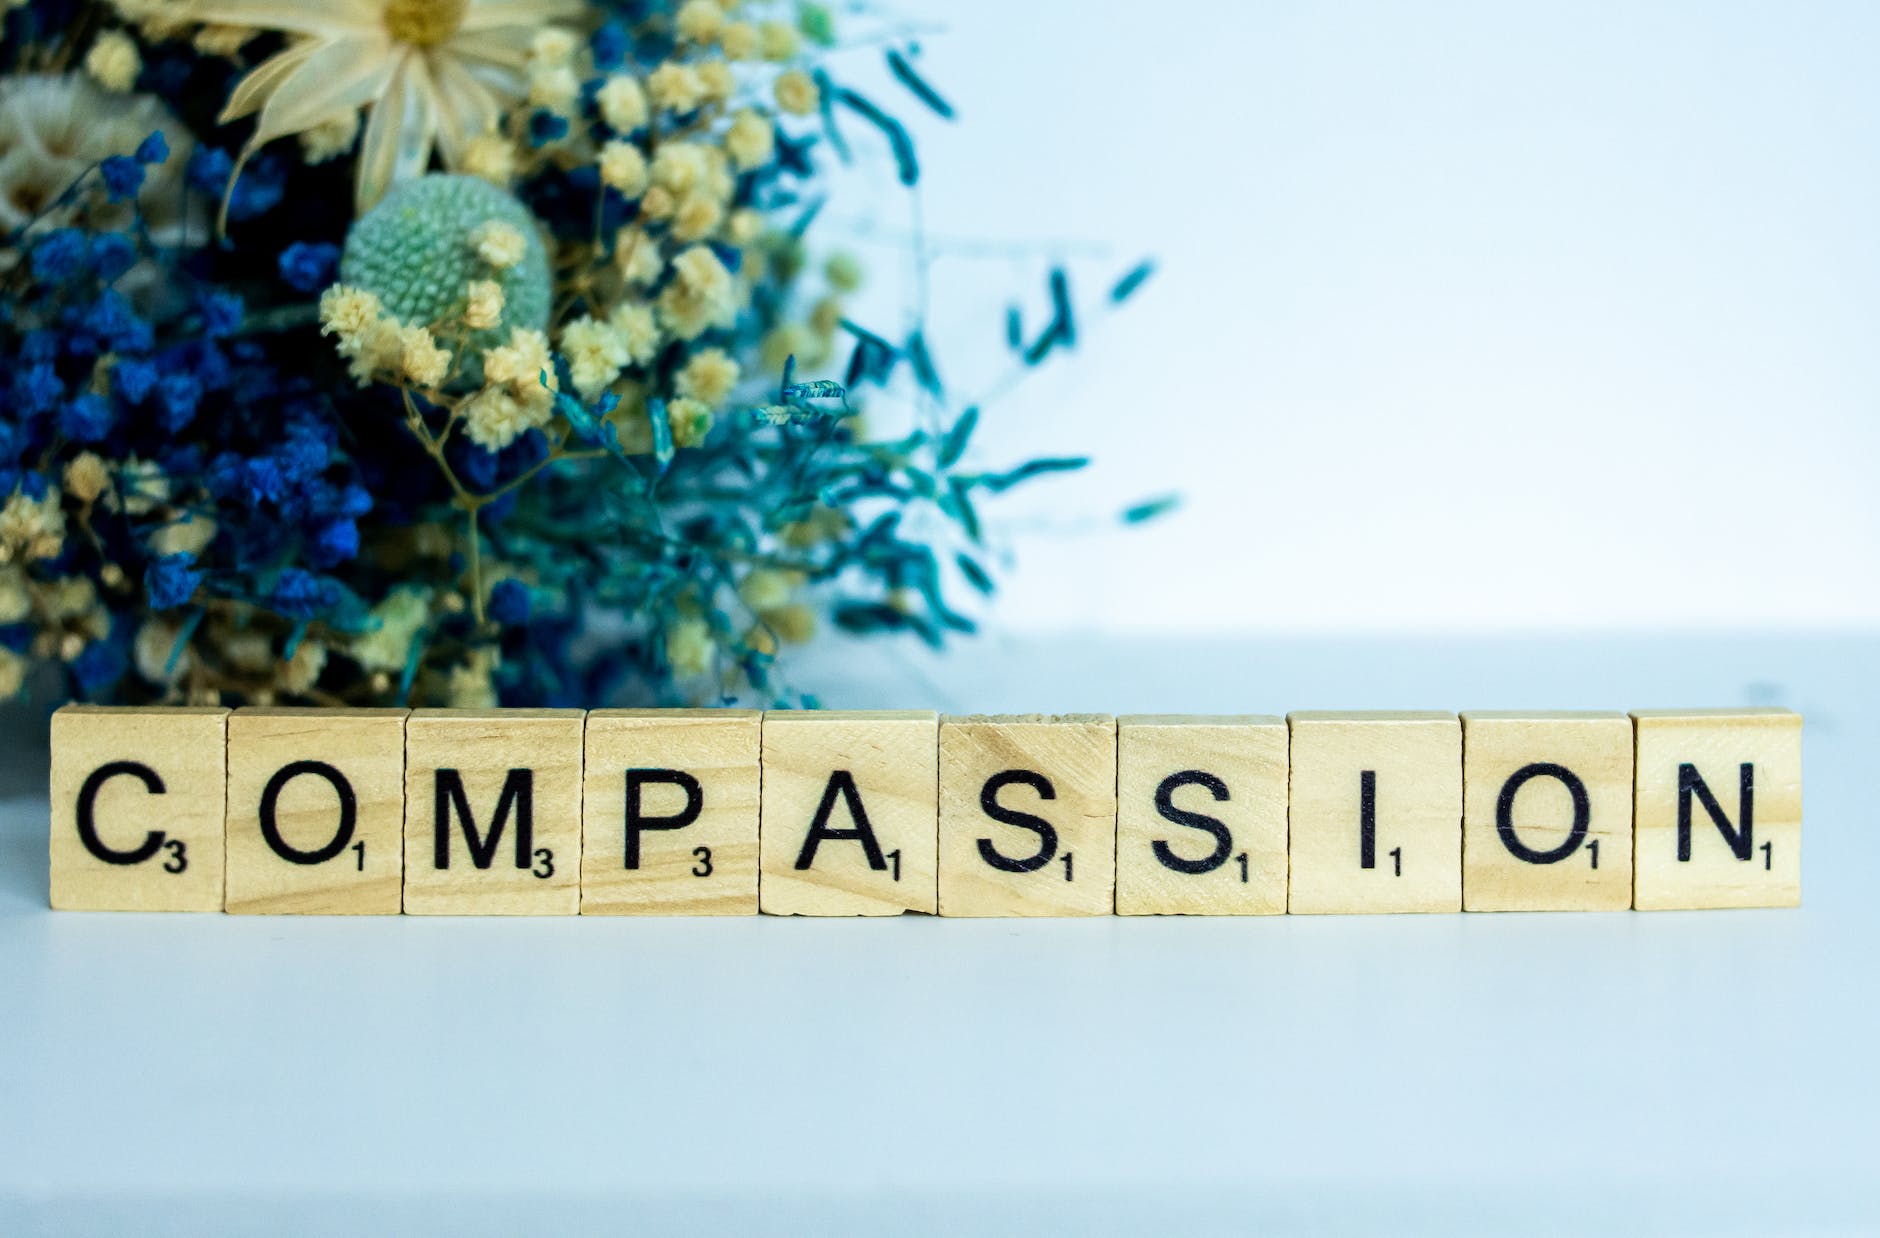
(419, 249)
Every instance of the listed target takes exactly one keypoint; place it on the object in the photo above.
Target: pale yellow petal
(504, 47)
(334, 77)
(398, 136)
(465, 107)
(326, 18)
(253, 90)
(485, 14)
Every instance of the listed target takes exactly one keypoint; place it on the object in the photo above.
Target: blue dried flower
(113, 254)
(61, 256)
(334, 543)
(171, 581)
(153, 149)
(123, 177)
(133, 378)
(177, 398)
(309, 267)
(299, 594)
(37, 389)
(509, 603)
(221, 314)
(86, 419)
(98, 667)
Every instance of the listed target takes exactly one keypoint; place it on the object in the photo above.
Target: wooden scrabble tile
(1200, 815)
(1376, 816)
(1028, 816)
(493, 812)
(1717, 808)
(669, 812)
(137, 797)
(1546, 811)
(849, 813)
(316, 808)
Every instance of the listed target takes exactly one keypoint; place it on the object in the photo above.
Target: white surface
(1469, 315)
(1698, 1073)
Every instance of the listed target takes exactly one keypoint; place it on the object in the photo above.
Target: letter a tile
(849, 814)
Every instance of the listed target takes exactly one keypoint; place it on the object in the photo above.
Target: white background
(1468, 315)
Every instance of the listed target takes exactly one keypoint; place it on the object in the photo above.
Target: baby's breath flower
(113, 61)
(709, 376)
(750, 141)
(31, 528)
(553, 86)
(699, 21)
(637, 257)
(637, 331)
(494, 417)
(86, 478)
(825, 316)
(623, 167)
(738, 40)
(499, 244)
(330, 139)
(422, 359)
(795, 623)
(491, 157)
(717, 81)
(521, 361)
(12, 673)
(658, 202)
(156, 642)
(188, 536)
(379, 349)
(483, 305)
(596, 354)
(696, 217)
(470, 685)
(689, 646)
(767, 589)
(348, 312)
(15, 602)
(843, 271)
(691, 421)
(796, 92)
(745, 226)
(622, 103)
(299, 673)
(678, 166)
(777, 40)
(400, 617)
(675, 87)
(552, 46)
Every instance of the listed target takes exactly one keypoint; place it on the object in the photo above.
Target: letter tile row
(733, 812)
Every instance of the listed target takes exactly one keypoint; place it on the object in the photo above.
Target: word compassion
(735, 812)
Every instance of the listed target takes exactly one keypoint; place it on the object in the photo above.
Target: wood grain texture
(707, 867)
(1732, 863)
(890, 759)
(1566, 852)
(337, 811)
(498, 757)
(1415, 855)
(1247, 757)
(157, 779)
(1065, 866)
